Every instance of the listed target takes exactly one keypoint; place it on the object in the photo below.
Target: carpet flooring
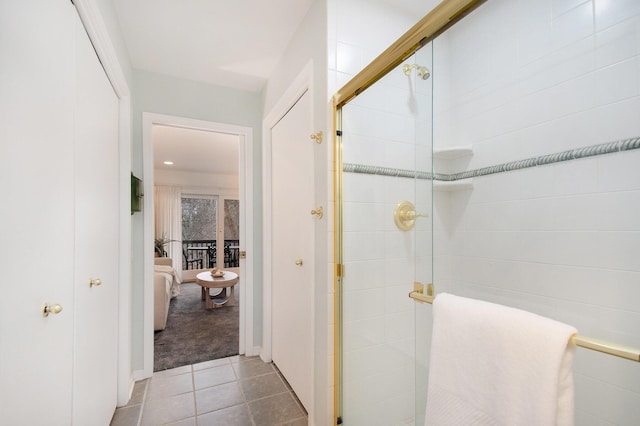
(194, 334)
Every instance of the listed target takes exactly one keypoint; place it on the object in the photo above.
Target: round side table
(207, 281)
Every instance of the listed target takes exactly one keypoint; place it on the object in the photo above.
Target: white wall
(521, 79)
(211, 183)
(166, 95)
(309, 43)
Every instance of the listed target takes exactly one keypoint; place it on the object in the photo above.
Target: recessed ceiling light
(168, 163)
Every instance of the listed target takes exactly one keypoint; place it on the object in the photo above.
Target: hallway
(230, 391)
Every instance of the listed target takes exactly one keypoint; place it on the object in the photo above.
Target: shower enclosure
(532, 112)
(387, 145)
(384, 232)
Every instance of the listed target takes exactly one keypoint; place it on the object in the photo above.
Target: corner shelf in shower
(452, 153)
(457, 185)
(449, 154)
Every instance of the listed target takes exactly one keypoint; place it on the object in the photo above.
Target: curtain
(168, 222)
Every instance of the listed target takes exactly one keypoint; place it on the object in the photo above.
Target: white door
(96, 239)
(36, 217)
(293, 253)
(59, 220)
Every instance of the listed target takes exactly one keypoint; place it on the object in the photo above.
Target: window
(199, 218)
(199, 231)
(201, 249)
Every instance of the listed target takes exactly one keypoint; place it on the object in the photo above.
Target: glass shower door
(383, 334)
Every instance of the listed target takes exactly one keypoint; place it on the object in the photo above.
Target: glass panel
(231, 233)
(423, 228)
(199, 225)
(386, 135)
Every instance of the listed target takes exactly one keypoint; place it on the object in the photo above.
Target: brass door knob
(299, 262)
(95, 282)
(51, 309)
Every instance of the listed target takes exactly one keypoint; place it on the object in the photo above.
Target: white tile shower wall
(378, 317)
(560, 240)
(359, 30)
(574, 78)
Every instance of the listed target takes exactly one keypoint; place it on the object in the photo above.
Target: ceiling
(233, 43)
(195, 150)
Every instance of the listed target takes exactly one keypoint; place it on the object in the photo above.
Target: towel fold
(495, 365)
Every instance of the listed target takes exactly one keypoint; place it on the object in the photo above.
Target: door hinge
(339, 132)
(243, 254)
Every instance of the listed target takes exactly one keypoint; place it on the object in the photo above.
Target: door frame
(96, 28)
(245, 192)
(302, 83)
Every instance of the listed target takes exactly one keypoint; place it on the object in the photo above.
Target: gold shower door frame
(447, 13)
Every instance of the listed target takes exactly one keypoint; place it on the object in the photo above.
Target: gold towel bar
(603, 346)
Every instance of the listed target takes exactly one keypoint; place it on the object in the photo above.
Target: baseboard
(253, 351)
(139, 375)
(122, 402)
(264, 358)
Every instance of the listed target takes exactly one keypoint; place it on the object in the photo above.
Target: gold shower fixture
(404, 215)
(423, 72)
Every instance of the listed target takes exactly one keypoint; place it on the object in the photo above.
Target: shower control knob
(405, 214)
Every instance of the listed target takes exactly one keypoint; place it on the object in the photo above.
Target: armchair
(166, 284)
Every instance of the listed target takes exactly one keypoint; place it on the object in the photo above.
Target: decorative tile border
(573, 154)
(387, 171)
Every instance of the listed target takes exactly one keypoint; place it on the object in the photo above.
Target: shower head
(423, 72)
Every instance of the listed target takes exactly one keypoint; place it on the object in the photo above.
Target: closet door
(36, 217)
(96, 239)
(293, 248)
(58, 224)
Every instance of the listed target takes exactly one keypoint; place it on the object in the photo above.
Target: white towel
(494, 365)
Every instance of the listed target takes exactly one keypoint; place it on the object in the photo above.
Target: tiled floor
(234, 391)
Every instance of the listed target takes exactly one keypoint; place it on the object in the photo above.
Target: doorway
(197, 229)
(245, 244)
